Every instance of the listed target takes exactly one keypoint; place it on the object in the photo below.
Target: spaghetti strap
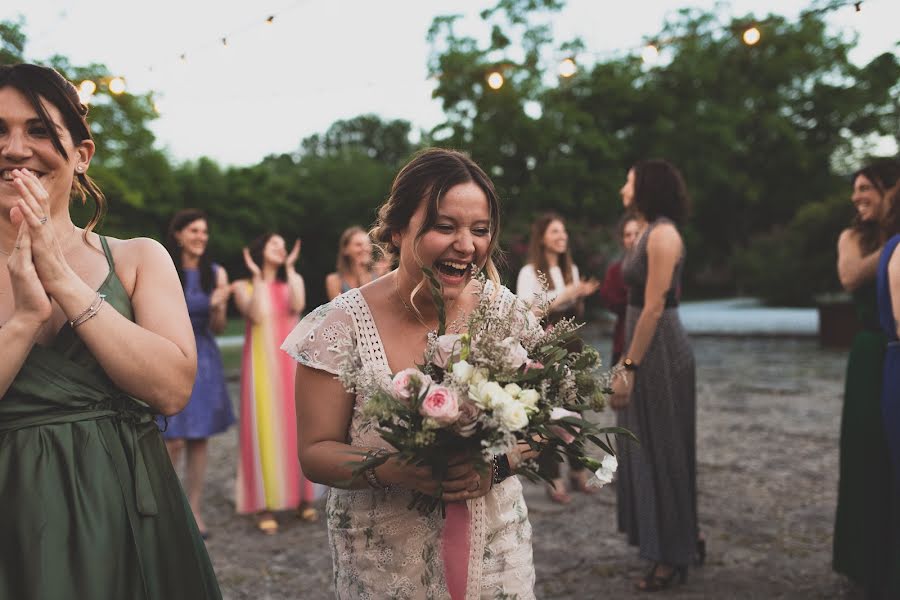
(108, 254)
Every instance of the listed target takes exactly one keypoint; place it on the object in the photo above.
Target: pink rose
(440, 405)
(409, 382)
(447, 349)
(533, 364)
(561, 413)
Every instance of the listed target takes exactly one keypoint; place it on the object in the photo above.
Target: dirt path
(768, 420)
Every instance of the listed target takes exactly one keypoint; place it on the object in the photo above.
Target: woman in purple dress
(209, 410)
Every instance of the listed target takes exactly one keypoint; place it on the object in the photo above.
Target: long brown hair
(537, 255)
(426, 178)
(342, 263)
(35, 83)
(884, 175)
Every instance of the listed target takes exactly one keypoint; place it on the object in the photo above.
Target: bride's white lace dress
(380, 548)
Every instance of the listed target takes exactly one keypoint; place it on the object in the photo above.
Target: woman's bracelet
(500, 469)
(371, 477)
(89, 313)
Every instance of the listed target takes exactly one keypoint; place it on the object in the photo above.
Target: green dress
(864, 538)
(90, 506)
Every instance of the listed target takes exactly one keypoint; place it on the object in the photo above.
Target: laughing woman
(443, 213)
(96, 340)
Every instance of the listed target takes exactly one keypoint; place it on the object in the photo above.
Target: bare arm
(894, 283)
(296, 291)
(218, 302)
(332, 286)
(248, 298)
(153, 358)
(853, 268)
(664, 248)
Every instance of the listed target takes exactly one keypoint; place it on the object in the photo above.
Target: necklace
(408, 308)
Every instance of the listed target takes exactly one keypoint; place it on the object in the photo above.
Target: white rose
(483, 393)
(462, 371)
(510, 413)
(529, 398)
(516, 355)
(512, 389)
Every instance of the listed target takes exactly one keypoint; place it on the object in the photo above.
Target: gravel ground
(768, 420)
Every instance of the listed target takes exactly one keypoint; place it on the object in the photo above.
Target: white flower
(510, 413)
(516, 355)
(512, 389)
(483, 394)
(480, 375)
(529, 398)
(462, 371)
(605, 473)
(560, 413)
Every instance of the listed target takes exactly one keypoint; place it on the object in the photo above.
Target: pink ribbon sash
(455, 549)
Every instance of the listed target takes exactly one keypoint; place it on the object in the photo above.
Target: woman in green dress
(96, 340)
(866, 544)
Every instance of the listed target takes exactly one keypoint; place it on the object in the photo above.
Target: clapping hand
(254, 269)
(30, 299)
(219, 296)
(291, 259)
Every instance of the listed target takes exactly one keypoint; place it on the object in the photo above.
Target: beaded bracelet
(371, 477)
(500, 469)
(89, 313)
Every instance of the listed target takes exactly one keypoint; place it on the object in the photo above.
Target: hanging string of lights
(116, 85)
(750, 34)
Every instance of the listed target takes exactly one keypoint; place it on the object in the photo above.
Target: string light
(225, 41)
(567, 67)
(271, 19)
(495, 80)
(117, 85)
(751, 36)
(87, 87)
(857, 6)
(650, 54)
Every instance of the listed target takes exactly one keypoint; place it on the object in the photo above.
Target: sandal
(307, 513)
(267, 524)
(653, 582)
(558, 494)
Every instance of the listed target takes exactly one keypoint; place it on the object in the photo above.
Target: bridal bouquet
(479, 394)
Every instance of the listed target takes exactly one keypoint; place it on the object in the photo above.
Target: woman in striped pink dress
(269, 476)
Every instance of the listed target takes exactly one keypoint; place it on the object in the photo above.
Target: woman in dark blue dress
(209, 410)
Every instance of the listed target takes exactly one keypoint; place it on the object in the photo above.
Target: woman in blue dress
(209, 411)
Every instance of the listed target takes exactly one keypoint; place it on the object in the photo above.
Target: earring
(79, 168)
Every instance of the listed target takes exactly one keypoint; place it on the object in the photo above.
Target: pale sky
(324, 60)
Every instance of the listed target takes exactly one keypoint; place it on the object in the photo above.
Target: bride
(442, 213)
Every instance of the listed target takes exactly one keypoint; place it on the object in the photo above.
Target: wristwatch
(629, 365)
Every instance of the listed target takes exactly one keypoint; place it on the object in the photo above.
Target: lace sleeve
(321, 340)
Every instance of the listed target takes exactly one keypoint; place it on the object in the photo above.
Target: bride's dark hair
(426, 178)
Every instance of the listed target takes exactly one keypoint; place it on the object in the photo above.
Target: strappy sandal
(652, 582)
(267, 524)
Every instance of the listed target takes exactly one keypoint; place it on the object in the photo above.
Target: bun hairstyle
(426, 178)
(36, 83)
